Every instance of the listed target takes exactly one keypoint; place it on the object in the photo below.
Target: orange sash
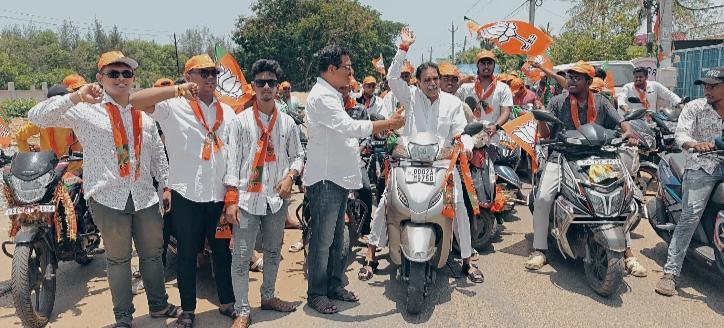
(484, 96)
(642, 96)
(211, 137)
(264, 152)
(448, 209)
(350, 103)
(590, 111)
(121, 140)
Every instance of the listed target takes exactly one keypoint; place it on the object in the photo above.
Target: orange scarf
(121, 140)
(264, 150)
(484, 96)
(590, 110)
(211, 137)
(350, 103)
(448, 209)
(70, 139)
(642, 96)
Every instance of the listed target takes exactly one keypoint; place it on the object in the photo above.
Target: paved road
(510, 296)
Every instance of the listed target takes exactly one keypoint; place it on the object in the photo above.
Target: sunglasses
(165, 84)
(113, 74)
(576, 77)
(205, 73)
(261, 83)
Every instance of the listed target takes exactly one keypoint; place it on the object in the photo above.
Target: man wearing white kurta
(648, 93)
(439, 113)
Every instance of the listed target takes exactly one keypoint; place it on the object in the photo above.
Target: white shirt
(333, 148)
(192, 177)
(389, 104)
(242, 147)
(92, 126)
(376, 105)
(654, 90)
(501, 97)
(444, 118)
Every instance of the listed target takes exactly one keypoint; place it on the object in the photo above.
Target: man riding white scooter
(581, 105)
(426, 110)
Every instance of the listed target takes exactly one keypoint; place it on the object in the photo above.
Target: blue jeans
(325, 263)
(697, 188)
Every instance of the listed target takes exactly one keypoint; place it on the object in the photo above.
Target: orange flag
(534, 74)
(516, 37)
(608, 83)
(523, 131)
(231, 85)
(379, 65)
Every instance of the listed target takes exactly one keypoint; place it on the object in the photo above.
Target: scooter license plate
(30, 209)
(415, 175)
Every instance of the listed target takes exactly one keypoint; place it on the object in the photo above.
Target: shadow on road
(694, 275)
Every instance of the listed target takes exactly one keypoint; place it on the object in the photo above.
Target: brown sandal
(276, 304)
(343, 295)
(242, 321)
(473, 273)
(322, 305)
(367, 271)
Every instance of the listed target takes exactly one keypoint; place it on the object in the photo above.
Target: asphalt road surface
(510, 296)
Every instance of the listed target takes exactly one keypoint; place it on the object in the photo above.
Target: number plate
(415, 175)
(30, 209)
(589, 162)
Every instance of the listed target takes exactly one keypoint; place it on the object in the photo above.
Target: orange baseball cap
(369, 79)
(74, 81)
(516, 84)
(504, 77)
(484, 54)
(199, 62)
(116, 57)
(597, 85)
(583, 68)
(408, 67)
(285, 84)
(163, 82)
(447, 68)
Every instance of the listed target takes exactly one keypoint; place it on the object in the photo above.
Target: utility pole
(175, 46)
(465, 43)
(430, 58)
(531, 12)
(452, 44)
(649, 35)
(667, 19)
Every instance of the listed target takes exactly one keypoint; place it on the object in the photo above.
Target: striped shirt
(242, 147)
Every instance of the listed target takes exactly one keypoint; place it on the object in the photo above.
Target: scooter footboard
(418, 242)
(611, 237)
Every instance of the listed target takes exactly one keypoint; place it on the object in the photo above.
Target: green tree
(293, 31)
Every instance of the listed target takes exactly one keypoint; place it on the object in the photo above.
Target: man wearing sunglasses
(332, 170)
(195, 124)
(122, 152)
(265, 156)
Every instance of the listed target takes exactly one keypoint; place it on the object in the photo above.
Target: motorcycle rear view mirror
(635, 115)
(633, 100)
(471, 102)
(376, 117)
(685, 100)
(545, 116)
(473, 128)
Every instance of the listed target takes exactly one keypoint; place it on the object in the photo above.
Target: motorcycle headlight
(31, 191)
(422, 153)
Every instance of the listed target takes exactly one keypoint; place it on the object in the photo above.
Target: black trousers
(193, 222)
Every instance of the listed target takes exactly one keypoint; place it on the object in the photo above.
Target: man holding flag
(196, 125)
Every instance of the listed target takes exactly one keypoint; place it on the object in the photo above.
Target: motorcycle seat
(677, 161)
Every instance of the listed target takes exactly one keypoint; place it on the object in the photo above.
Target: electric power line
(149, 31)
(515, 11)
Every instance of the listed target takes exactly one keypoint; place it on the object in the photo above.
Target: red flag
(516, 37)
(379, 65)
(231, 86)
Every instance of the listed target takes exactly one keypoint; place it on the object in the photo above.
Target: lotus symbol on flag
(228, 85)
(506, 31)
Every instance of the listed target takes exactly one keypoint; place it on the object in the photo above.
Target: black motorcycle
(50, 222)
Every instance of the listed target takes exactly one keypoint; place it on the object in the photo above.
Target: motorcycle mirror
(473, 128)
(471, 102)
(376, 117)
(635, 115)
(633, 100)
(545, 116)
(685, 100)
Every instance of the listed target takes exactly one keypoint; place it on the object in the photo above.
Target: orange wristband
(231, 197)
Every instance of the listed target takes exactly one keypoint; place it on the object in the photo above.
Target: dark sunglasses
(261, 83)
(205, 73)
(127, 74)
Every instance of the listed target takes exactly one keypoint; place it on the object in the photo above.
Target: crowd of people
(226, 177)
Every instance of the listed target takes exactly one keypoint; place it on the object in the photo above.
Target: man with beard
(123, 151)
(699, 125)
(493, 97)
(439, 113)
(195, 128)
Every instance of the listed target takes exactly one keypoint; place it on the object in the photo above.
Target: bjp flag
(379, 65)
(515, 37)
(231, 85)
(534, 74)
(524, 130)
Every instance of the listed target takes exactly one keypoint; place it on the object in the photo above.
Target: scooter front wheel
(604, 269)
(416, 288)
